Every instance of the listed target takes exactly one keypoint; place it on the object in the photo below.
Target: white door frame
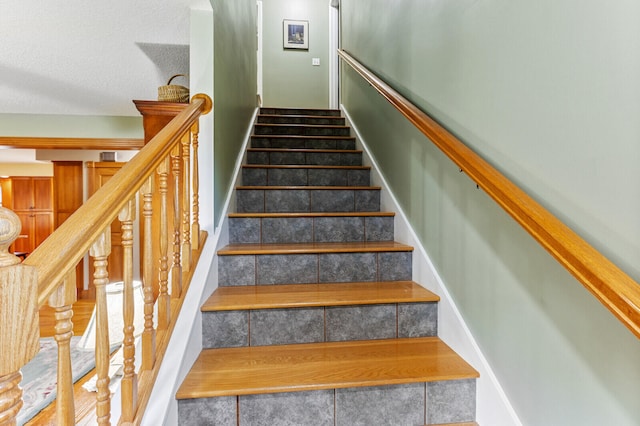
(334, 62)
(259, 51)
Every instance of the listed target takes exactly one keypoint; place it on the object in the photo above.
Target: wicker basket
(173, 92)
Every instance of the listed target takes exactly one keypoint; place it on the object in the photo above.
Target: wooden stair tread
(317, 137)
(303, 166)
(315, 366)
(293, 187)
(314, 295)
(312, 214)
(331, 126)
(307, 150)
(313, 248)
(298, 116)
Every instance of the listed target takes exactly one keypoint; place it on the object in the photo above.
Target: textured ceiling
(89, 58)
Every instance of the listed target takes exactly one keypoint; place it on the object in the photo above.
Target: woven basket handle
(172, 77)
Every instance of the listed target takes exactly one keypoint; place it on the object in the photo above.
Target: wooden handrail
(73, 238)
(47, 276)
(616, 290)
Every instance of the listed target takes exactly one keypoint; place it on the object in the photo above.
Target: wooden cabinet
(68, 190)
(31, 198)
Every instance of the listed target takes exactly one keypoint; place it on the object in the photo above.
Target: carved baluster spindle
(163, 267)
(186, 198)
(62, 301)
(176, 268)
(100, 250)
(149, 333)
(19, 330)
(195, 228)
(129, 387)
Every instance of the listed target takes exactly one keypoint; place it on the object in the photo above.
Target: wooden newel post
(19, 327)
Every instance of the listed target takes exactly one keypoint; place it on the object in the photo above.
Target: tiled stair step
(303, 142)
(299, 199)
(300, 111)
(375, 382)
(310, 227)
(310, 313)
(298, 129)
(301, 119)
(313, 263)
(320, 157)
(300, 175)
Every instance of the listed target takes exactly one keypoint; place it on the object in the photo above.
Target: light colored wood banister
(74, 237)
(616, 290)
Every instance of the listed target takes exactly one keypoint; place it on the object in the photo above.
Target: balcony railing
(163, 180)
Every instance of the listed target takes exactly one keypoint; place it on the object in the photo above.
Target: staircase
(316, 320)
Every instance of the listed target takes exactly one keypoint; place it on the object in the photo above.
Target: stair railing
(617, 291)
(47, 276)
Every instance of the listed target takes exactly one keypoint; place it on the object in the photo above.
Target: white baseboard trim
(493, 406)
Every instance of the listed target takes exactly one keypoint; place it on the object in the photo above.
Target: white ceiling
(84, 57)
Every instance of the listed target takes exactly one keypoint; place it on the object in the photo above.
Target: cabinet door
(24, 243)
(43, 227)
(22, 188)
(43, 193)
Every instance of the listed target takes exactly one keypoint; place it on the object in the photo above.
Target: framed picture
(295, 34)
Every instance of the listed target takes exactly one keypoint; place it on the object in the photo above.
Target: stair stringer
(492, 404)
(184, 346)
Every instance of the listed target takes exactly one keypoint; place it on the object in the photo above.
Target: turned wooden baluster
(19, 329)
(149, 333)
(163, 268)
(186, 202)
(176, 268)
(195, 228)
(129, 386)
(100, 250)
(62, 301)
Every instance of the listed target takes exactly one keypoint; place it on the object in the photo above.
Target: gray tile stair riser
(304, 158)
(283, 129)
(301, 111)
(254, 176)
(405, 404)
(310, 229)
(262, 327)
(307, 120)
(301, 143)
(313, 268)
(307, 200)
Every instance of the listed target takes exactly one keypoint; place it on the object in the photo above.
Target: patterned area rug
(39, 377)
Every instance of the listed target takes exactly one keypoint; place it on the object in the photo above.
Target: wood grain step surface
(306, 150)
(303, 166)
(314, 295)
(311, 248)
(312, 214)
(315, 366)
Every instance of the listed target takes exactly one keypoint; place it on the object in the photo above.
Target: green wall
(548, 92)
(234, 87)
(70, 126)
(289, 79)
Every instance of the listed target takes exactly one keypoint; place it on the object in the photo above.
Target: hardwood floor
(84, 401)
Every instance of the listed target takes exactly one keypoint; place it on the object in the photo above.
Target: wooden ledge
(303, 166)
(311, 214)
(316, 295)
(333, 188)
(315, 366)
(313, 248)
